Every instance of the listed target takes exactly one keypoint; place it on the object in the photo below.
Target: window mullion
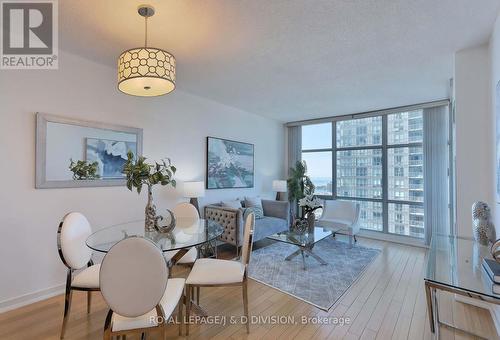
(334, 160)
(385, 182)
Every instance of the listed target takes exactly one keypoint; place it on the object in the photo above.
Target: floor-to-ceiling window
(376, 161)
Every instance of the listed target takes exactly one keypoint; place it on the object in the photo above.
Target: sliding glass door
(376, 161)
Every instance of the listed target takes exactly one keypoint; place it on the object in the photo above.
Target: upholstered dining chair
(83, 274)
(135, 285)
(216, 273)
(186, 211)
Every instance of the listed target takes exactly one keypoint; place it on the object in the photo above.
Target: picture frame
(52, 164)
(230, 164)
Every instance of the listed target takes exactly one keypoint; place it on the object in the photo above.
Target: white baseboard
(30, 298)
(494, 309)
(401, 239)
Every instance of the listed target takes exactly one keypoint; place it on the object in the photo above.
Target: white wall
(175, 126)
(474, 133)
(495, 78)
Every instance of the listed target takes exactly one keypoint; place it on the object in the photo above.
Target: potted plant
(299, 185)
(139, 173)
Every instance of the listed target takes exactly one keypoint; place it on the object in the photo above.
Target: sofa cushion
(235, 204)
(267, 226)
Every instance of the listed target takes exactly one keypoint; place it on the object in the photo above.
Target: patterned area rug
(319, 285)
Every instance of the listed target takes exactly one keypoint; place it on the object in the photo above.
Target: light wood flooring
(387, 302)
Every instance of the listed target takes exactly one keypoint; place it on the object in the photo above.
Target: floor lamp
(193, 191)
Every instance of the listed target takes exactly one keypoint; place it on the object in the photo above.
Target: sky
(319, 136)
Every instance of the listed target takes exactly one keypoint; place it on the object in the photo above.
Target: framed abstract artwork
(110, 155)
(230, 164)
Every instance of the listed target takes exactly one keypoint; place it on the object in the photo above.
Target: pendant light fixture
(146, 71)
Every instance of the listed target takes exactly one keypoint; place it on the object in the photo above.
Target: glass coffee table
(304, 241)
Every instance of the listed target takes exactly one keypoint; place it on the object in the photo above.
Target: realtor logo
(29, 35)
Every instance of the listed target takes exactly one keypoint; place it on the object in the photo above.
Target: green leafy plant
(84, 170)
(299, 184)
(139, 173)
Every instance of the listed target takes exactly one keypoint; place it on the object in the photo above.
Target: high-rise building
(363, 157)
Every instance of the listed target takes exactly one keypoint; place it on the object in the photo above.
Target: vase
(300, 226)
(150, 212)
(482, 227)
(311, 219)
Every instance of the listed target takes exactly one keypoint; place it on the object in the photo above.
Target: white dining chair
(135, 285)
(216, 273)
(185, 211)
(83, 274)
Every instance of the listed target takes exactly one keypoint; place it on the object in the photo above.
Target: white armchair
(341, 216)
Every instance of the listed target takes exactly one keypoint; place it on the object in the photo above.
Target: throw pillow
(235, 204)
(255, 203)
(256, 211)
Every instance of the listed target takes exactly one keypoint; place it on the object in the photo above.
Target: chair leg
(89, 301)
(188, 307)
(67, 305)
(179, 316)
(107, 326)
(198, 295)
(245, 304)
(355, 240)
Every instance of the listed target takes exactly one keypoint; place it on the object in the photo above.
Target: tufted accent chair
(228, 218)
(276, 219)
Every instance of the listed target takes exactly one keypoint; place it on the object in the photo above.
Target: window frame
(384, 147)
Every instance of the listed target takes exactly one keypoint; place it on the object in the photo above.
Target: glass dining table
(187, 233)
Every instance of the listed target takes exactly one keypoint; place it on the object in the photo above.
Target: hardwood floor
(387, 302)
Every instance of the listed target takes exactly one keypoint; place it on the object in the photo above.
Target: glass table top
(456, 262)
(187, 233)
(301, 239)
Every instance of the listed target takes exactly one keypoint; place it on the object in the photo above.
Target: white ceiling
(291, 59)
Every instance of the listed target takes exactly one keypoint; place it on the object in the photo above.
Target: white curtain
(294, 145)
(436, 179)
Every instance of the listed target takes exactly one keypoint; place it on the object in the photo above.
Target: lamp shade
(279, 186)
(146, 72)
(194, 189)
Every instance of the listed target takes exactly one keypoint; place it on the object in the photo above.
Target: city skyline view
(354, 167)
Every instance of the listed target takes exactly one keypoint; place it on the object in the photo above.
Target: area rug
(319, 285)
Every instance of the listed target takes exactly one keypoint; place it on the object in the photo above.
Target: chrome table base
(305, 252)
(431, 294)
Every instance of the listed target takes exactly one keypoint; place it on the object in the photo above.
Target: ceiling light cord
(146, 32)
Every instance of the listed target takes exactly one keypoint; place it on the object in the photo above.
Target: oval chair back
(133, 277)
(247, 239)
(186, 210)
(71, 236)
(344, 210)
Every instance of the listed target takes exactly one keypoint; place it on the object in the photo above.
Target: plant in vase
(299, 185)
(139, 173)
(309, 204)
